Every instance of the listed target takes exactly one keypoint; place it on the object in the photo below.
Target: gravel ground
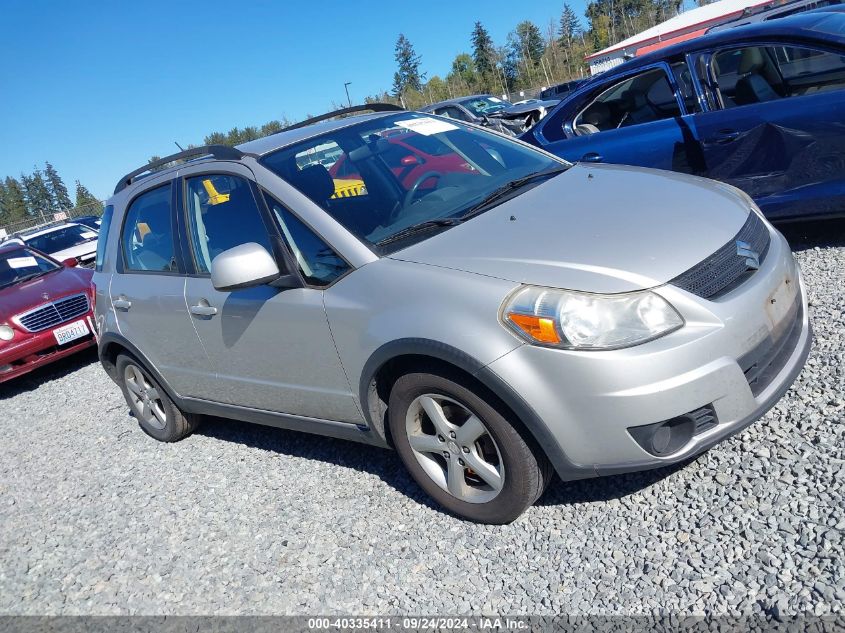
(96, 518)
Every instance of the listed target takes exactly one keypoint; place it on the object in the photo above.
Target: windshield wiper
(496, 195)
(33, 276)
(420, 226)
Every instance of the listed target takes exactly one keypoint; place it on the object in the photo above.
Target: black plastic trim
(566, 469)
(364, 107)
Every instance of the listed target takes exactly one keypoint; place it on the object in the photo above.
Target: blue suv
(760, 107)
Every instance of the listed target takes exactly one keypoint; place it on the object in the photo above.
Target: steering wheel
(409, 197)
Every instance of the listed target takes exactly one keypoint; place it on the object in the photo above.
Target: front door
(778, 128)
(271, 348)
(147, 294)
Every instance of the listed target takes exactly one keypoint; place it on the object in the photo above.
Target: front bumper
(590, 400)
(39, 349)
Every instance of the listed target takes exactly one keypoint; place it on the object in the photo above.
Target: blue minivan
(761, 107)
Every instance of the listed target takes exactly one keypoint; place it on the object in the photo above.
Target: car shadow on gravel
(821, 233)
(385, 464)
(53, 371)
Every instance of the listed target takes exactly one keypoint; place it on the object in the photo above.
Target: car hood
(30, 294)
(602, 228)
(82, 252)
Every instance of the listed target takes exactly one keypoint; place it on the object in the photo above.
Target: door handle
(122, 303)
(592, 157)
(724, 137)
(203, 309)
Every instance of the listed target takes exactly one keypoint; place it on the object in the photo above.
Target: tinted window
(148, 233)
(61, 238)
(318, 263)
(389, 196)
(757, 74)
(105, 223)
(644, 98)
(222, 214)
(22, 264)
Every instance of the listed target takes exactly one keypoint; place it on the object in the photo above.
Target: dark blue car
(761, 107)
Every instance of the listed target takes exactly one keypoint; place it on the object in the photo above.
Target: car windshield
(480, 106)
(384, 183)
(22, 263)
(61, 238)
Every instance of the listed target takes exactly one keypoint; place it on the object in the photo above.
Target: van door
(147, 292)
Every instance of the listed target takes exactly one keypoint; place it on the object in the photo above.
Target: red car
(410, 157)
(45, 309)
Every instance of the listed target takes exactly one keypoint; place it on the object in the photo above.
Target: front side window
(759, 74)
(644, 98)
(452, 112)
(148, 233)
(222, 214)
(396, 187)
(61, 238)
(317, 262)
(21, 264)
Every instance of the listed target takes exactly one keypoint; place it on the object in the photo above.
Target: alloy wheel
(144, 397)
(455, 448)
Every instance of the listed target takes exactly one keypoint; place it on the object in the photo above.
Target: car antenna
(182, 149)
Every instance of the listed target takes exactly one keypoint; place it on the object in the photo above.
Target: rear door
(635, 119)
(147, 293)
(777, 126)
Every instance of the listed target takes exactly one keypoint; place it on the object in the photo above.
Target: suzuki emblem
(752, 258)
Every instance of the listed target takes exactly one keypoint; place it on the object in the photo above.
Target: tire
(510, 471)
(161, 419)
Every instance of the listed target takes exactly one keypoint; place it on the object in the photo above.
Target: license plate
(70, 332)
(780, 301)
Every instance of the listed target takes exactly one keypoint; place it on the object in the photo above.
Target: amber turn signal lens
(541, 329)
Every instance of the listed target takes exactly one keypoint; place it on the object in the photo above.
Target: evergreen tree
(57, 188)
(530, 40)
(483, 54)
(14, 204)
(86, 198)
(408, 74)
(570, 27)
(38, 198)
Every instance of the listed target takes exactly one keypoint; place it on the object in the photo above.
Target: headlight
(6, 333)
(579, 320)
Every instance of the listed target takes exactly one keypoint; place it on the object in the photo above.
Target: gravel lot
(97, 518)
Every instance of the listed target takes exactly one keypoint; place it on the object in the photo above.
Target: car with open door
(759, 107)
(46, 309)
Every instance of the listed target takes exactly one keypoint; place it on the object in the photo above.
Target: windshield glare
(21, 263)
(398, 171)
(62, 238)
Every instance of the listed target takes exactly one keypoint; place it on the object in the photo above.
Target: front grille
(761, 364)
(55, 313)
(725, 269)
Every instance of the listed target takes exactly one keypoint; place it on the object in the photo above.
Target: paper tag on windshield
(88, 235)
(426, 126)
(22, 262)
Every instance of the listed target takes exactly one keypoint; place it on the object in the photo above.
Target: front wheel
(462, 450)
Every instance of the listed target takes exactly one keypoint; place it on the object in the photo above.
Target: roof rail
(222, 152)
(364, 107)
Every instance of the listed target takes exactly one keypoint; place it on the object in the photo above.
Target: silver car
(493, 313)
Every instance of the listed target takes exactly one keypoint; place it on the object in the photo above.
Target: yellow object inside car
(348, 188)
(214, 197)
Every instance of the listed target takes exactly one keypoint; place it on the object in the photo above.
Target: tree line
(39, 195)
(530, 57)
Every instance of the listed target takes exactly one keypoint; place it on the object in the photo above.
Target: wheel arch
(111, 345)
(393, 359)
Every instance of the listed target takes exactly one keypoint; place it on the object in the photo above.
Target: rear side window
(105, 223)
(148, 233)
(222, 214)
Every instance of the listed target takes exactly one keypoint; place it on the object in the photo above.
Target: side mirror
(70, 262)
(243, 266)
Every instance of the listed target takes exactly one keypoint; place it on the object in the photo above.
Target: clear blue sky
(96, 88)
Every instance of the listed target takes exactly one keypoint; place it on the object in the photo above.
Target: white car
(64, 241)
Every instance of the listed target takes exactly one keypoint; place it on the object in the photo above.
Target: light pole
(346, 87)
